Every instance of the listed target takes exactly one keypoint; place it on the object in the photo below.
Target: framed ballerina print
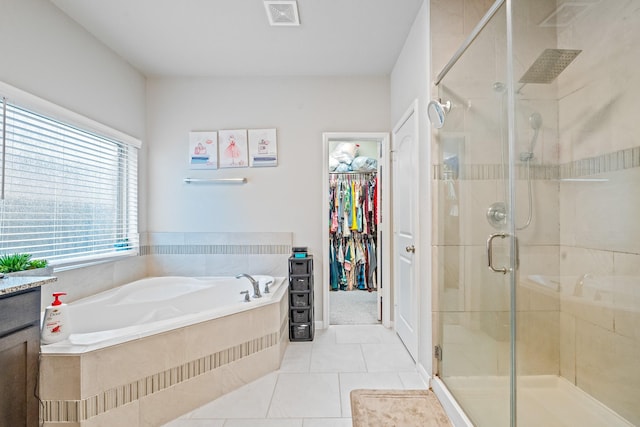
(203, 150)
(233, 148)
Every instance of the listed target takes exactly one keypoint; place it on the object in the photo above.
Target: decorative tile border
(604, 163)
(484, 172)
(81, 410)
(610, 162)
(215, 249)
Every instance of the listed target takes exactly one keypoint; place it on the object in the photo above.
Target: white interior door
(404, 159)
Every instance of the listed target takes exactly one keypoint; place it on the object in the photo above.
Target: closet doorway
(356, 276)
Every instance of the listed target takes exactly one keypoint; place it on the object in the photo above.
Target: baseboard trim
(454, 411)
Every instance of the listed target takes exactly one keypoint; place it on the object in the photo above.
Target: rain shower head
(549, 65)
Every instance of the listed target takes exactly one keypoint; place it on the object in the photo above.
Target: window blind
(67, 194)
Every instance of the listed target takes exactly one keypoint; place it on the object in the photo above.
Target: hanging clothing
(353, 225)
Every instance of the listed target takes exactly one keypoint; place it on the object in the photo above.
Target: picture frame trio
(239, 148)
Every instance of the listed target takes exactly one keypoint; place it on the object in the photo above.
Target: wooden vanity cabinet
(19, 349)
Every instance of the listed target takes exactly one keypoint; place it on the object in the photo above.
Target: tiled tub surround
(216, 254)
(152, 379)
(186, 366)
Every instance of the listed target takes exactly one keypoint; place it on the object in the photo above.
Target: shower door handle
(502, 270)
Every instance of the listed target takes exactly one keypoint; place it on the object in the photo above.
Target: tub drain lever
(246, 296)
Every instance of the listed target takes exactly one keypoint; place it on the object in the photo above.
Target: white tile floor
(312, 387)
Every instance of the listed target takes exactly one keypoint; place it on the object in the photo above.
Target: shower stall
(537, 210)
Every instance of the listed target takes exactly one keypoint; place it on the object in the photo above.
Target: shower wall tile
(594, 355)
(469, 349)
(623, 396)
(484, 121)
(544, 228)
(567, 213)
(474, 10)
(542, 260)
(443, 46)
(607, 368)
(475, 197)
(447, 18)
(627, 294)
(597, 104)
(451, 284)
(626, 321)
(485, 291)
(568, 347)
(585, 122)
(538, 351)
(591, 311)
(574, 262)
(603, 215)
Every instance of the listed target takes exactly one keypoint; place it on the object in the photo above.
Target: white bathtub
(154, 305)
(147, 352)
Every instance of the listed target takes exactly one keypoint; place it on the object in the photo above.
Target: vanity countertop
(12, 284)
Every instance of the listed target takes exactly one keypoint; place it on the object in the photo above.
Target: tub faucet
(254, 283)
(266, 286)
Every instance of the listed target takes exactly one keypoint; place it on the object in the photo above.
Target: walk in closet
(352, 221)
(353, 225)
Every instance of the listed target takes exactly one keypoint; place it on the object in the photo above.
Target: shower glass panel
(540, 142)
(578, 165)
(472, 175)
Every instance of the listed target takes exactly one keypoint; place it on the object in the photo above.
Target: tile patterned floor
(312, 387)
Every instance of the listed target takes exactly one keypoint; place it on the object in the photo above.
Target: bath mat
(397, 408)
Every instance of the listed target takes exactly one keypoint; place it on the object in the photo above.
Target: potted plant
(23, 265)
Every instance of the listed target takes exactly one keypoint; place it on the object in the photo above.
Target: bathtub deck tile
(248, 401)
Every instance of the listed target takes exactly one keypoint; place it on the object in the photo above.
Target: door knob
(411, 249)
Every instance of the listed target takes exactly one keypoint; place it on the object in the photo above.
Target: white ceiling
(233, 37)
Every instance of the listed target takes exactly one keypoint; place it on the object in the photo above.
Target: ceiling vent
(282, 12)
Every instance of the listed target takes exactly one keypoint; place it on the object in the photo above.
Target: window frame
(55, 112)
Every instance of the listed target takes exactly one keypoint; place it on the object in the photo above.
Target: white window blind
(66, 194)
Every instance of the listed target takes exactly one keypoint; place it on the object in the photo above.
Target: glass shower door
(474, 228)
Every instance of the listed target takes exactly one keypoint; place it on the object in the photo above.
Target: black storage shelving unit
(301, 325)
